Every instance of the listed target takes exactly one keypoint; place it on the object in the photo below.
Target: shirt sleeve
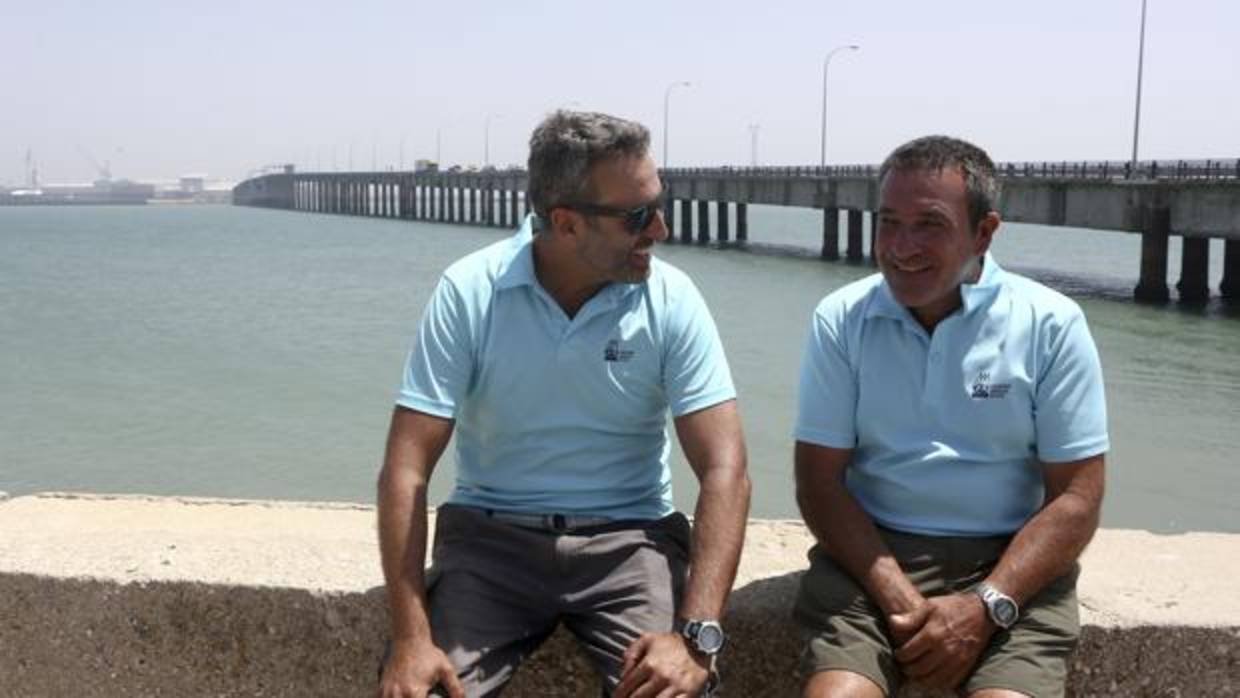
(1070, 402)
(695, 369)
(827, 391)
(439, 367)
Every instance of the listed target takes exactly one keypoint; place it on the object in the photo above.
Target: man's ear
(985, 233)
(563, 221)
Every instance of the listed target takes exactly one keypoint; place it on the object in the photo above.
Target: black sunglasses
(634, 220)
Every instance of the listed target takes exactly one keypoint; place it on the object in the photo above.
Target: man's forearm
(848, 534)
(1046, 547)
(718, 533)
(402, 543)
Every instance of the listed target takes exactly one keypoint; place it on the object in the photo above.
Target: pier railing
(1162, 170)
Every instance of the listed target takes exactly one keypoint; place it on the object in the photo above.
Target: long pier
(1194, 200)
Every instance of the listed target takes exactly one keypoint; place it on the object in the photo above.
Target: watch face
(710, 638)
(1005, 612)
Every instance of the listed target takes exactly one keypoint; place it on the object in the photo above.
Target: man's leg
(847, 651)
(1031, 659)
(487, 606)
(840, 684)
(620, 584)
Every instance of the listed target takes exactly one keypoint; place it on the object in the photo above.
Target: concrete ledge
(135, 596)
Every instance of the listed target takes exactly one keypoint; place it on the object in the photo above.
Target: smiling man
(555, 357)
(951, 435)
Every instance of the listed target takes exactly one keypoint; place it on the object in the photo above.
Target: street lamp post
(667, 95)
(1136, 121)
(486, 140)
(826, 63)
(753, 145)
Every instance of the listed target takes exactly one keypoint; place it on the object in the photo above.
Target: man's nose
(899, 240)
(657, 230)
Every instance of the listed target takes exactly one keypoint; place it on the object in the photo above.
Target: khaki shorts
(846, 631)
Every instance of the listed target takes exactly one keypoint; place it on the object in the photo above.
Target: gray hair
(944, 152)
(567, 144)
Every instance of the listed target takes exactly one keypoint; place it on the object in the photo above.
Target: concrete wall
(137, 596)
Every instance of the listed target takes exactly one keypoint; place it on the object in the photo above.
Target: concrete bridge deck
(1197, 201)
(144, 596)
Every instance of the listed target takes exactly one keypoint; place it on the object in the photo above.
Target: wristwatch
(705, 636)
(999, 606)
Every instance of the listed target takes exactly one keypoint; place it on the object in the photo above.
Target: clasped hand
(938, 643)
(661, 665)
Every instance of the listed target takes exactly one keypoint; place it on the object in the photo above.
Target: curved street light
(1136, 120)
(486, 139)
(826, 63)
(667, 95)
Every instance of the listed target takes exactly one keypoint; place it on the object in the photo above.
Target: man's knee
(840, 684)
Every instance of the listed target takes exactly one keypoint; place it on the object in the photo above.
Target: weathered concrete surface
(140, 596)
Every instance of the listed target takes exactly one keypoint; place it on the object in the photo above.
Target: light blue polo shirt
(559, 415)
(948, 429)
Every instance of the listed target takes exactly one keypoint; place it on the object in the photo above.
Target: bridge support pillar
(1194, 284)
(856, 253)
(703, 222)
(742, 222)
(514, 208)
(830, 234)
(669, 218)
(724, 232)
(1230, 287)
(1152, 287)
(686, 221)
(490, 205)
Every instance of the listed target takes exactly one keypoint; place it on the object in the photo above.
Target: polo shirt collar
(518, 268)
(982, 292)
(972, 295)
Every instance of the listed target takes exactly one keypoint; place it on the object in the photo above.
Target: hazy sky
(221, 87)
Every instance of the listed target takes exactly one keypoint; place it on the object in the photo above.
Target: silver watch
(705, 636)
(1001, 608)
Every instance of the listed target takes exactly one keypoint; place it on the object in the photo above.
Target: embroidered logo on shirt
(613, 352)
(983, 389)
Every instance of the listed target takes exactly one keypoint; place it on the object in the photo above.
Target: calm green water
(246, 353)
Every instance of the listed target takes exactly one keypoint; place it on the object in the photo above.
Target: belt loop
(558, 522)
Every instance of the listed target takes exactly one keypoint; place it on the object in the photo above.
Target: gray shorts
(497, 590)
(847, 631)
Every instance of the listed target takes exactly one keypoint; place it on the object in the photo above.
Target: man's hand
(660, 664)
(903, 626)
(414, 669)
(954, 629)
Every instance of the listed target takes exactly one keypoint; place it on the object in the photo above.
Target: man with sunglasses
(555, 357)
